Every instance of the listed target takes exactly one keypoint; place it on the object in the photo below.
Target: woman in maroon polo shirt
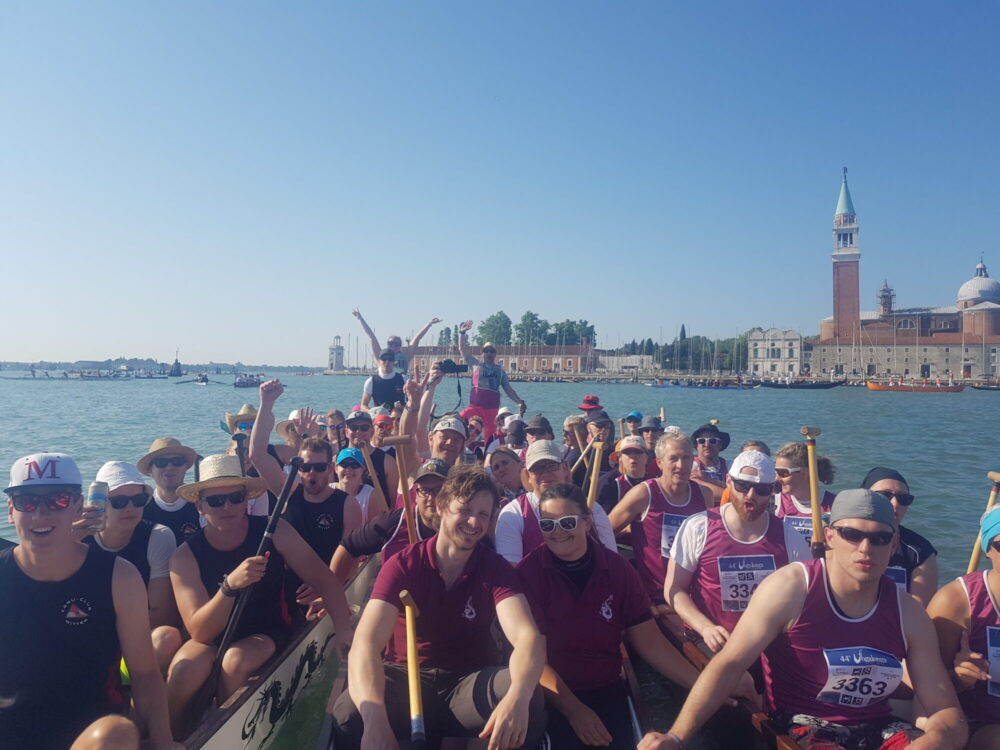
(585, 598)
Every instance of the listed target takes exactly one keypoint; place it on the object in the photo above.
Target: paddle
(417, 736)
(241, 451)
(584, 457)
(208, 689)
(595, 473)
(621, 428)
(404, 485)
(577, 429)
(994, 477)
(818, 545)
(376, 485)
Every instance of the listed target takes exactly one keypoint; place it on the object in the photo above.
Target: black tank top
(378, 463)
(387, 391)
(184, 522)
(137, 549)
(265, 612)
(59, 653)
(320, 524)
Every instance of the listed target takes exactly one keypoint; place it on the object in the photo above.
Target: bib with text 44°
(859, 676)
(993, 656)
(739, 577)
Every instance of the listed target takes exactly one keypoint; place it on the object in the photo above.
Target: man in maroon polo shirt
(459, 586)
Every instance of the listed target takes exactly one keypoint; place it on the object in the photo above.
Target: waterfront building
(959, 340)
(557, 361)
(336, 360)
(776, 353)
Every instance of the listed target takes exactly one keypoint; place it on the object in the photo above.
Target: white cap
(542, 450)
(762, 462)
(42, 469)
(511, 420)
(118, 474)
(450, 423)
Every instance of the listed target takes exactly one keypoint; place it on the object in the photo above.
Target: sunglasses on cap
(566, 523)
(785, 473)
(902, 498)
(318, 466)
(233, 498)
(708, 441)
(28, 502)
(121, 501)
(853, 536)
(760, 488)
(163, 462)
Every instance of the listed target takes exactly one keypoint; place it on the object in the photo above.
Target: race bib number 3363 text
(859, 676)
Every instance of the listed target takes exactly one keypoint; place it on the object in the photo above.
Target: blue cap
(634, 414)
(347, 453)
(990, 526)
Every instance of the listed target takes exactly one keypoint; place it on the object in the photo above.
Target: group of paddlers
(503, 592)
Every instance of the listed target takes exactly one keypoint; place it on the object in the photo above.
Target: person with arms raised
(401, 355)
(385, 387)
(459, 586)
(834, 633)
(487, 378)
(70, 613)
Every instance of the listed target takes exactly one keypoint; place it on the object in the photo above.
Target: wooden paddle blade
(407, 599)
(993, 476)
(810, 431)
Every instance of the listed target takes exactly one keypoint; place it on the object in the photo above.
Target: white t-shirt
(510, 529)
(175, 506)
(689, 542)
(161, 546)
(390, 376)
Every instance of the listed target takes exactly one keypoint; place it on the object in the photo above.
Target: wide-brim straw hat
(247, 413)
(283, 427)
(166, 446)
(221, 471)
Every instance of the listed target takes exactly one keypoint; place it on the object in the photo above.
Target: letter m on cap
(47, 469)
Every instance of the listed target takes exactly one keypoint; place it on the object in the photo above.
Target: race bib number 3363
(739, 577)
(859, 676)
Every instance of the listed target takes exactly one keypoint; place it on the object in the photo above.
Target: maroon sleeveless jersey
(982, 703)
(654, 531)
(834, 667)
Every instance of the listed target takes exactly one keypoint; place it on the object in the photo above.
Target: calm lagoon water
(938, 441)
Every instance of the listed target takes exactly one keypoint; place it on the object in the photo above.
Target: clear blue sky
(231, 178)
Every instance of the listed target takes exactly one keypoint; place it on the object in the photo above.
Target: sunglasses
(566, 523)
(53, 501)
(347, 463)
(902, 498)
(233, 498)
(853, 536)
(165, 461)
(995, 544)
(708, 441)
(785, 473)
(489, 351)
(359, 427)
(318, 466)
(121, 501)
(241, 426)
(760, 488)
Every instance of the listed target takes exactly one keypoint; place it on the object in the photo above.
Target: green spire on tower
(845, 206)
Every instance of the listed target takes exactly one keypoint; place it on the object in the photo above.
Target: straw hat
(166, 446)
(247, 413)
(221, 471)
(283, 427)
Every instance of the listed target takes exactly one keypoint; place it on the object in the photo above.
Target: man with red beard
(720, 556)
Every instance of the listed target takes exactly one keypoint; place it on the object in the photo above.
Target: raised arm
(415, 341)
(434, 377)
(413, 390)
(266, 464)
(376, 347)
(463, 330)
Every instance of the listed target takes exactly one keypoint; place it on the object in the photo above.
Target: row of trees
(694, 354)
(500, 330)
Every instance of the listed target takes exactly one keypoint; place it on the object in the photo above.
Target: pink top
(834, 667)
(729, 571)
(654, 531)
(982, 703)
(787, 509)
(531, 536)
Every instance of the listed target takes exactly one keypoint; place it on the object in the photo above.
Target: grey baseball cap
(864, 504)
(650, 422)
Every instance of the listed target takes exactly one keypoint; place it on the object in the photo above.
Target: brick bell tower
(846, 260)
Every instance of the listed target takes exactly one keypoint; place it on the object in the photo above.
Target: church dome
(980, 288)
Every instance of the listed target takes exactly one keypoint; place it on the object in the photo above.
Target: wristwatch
(226, 589)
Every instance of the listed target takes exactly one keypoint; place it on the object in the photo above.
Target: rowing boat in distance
(914, 387)
(986, 386)
(709, 386)
(282, 706)
(804, 385)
